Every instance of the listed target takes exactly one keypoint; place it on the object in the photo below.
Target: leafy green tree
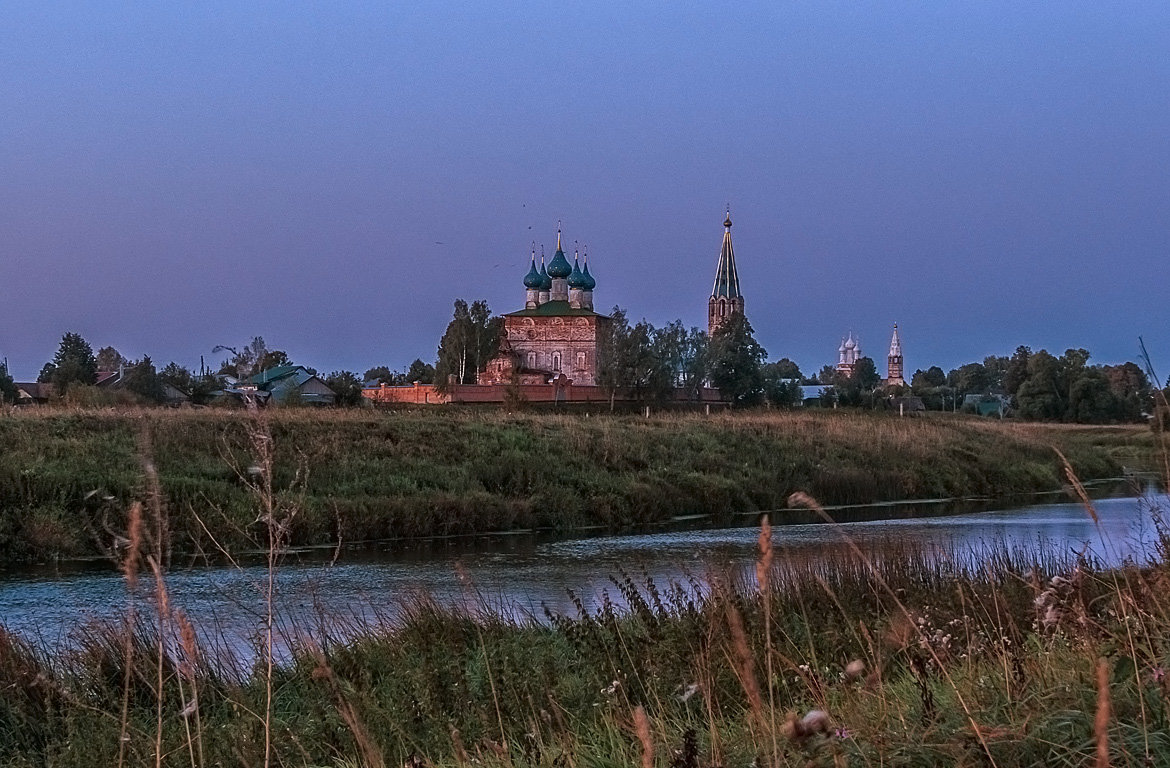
(969, 379)
(383, 375)
(684, 355)
(996, 368)
(1092, 401)
(737, 360)
(632, 357)
(177, 376)
(1040, 394)
(1131, 386)
(1016, 370)
(143, 380)
(110, 359)
(928, 379)
(781, 388)
(8, 391)
(865, 374)
(347, 388)
(470, 340)
(423, 373)
(74, 363)
(827, 376)
(786, 369)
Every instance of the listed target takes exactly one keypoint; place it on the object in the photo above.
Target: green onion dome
(559, 266)
(577, 278)
(533, 279)
(545, 280)
(587, 281)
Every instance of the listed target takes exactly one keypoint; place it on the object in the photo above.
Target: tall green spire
(726, 277)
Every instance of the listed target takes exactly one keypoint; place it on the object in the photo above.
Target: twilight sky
(332, 176)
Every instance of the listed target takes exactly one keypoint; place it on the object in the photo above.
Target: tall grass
(902, 658)
(67, 477)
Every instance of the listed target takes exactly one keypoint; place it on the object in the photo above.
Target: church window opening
(532, 360)
(581, 360)
(556, 361)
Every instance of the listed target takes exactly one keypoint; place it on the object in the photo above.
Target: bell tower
(726, 299)
(894, 376)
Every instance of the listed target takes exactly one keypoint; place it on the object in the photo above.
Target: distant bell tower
(726, 300)
(894, 362)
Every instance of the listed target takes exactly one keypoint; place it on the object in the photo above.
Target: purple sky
(333, 175)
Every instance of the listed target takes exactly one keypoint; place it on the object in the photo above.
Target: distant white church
(849, 353)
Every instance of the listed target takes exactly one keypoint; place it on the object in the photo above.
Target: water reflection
(522, 574)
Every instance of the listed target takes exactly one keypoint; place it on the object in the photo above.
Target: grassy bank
(67, 477)
(903, 660)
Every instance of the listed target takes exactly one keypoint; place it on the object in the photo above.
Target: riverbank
(67, 478)
(842, 659)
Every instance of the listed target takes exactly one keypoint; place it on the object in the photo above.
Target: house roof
(555, 309)
(275, 374)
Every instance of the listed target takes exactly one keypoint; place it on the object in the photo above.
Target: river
(522, 574)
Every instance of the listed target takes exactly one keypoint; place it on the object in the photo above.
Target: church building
(726, 299)
(848, 354)
(554, 338)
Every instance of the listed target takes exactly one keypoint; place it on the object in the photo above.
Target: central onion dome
(533, 279)
(559, 266)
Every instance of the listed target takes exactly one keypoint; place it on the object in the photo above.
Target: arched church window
(532, 360)
(581, 360)
(556, 361)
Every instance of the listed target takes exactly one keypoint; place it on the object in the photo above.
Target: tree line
(74, 373)
(650, 365)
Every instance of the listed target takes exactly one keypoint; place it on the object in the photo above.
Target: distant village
(557, 349)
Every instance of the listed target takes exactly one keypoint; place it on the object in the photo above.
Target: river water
(523, 574)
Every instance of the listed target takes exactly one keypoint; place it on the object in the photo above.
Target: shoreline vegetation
(899, 658)
(67, 477)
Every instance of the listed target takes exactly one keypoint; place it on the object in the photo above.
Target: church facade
(554, 338)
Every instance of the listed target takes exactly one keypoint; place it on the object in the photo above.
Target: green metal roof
(555, 309)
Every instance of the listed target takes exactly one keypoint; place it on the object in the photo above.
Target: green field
(67, 477)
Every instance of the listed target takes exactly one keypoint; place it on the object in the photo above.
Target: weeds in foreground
(856, 659)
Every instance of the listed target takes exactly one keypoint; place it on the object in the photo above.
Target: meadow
(902, 657)
(67, 477)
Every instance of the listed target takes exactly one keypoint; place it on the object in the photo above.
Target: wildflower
(841, 733)
(1158, 674)
(854, 669)
(690, 691)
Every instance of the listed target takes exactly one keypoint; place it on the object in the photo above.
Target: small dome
(559, 266)
(545, 280)
(587, 282)
(533, 279)
(576, 277)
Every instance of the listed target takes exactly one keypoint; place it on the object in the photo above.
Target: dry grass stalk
(763, 578)
(1077, 486)
(130, 571)
(745, 664)
(642, 728)
(371, 753)
(1101, 721)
